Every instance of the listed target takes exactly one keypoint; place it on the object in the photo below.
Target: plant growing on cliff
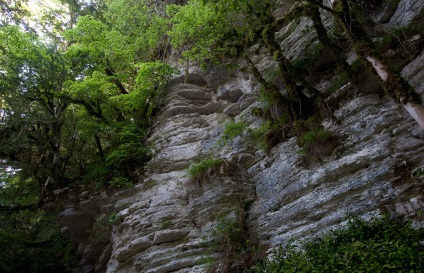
(204, 167)
(378, 245)
(232, 130)
(237, 249)
(316, 144)
(102, 227)
(347, 15)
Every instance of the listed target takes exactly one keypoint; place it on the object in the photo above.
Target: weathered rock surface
(163, 220)
(407, 12)
(168, 214)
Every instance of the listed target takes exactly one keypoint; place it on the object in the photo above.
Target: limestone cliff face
(164, 221)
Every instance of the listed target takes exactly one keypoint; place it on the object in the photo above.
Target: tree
(12, 12)
(31, 86)
(219, 30)
(391, 80)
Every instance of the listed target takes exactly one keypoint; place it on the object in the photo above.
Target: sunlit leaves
(197, 27)
(150, 82)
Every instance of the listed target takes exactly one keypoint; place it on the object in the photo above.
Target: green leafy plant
(120, 183)
(340, 81)
(129, 150)
(300, 65)
(419, 172)
(30, 241)
(164, 224)
(231, 131)
(236, 248)
(206, 165)
(378, 245)
(102, 227)
(316, 144)
(395, 39)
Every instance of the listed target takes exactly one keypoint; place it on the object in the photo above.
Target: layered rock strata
(377, 167)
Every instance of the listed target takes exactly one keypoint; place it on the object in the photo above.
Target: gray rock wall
(165, 220)
(168, 215)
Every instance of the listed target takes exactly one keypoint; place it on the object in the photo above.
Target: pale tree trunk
(392, 82)
(415, 109)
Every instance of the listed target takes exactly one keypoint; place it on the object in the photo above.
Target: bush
(120, 183)
(236, 248)
(204, 166)
(316, 144)
(102, 227)
(379, 245)
(232, 130)
(129, 149)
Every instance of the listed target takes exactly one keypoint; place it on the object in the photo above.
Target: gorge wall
(163, 223)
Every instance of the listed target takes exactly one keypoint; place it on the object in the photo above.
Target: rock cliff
(164, 222)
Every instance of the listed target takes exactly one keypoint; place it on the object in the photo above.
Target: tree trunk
(392, 82)
(299, 105)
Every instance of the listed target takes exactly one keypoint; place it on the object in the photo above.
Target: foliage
(143, 24)
(120, 182)
(259, 135)
(19, 190)
(13, 12)
(237, 250)
(396, 38)
(419, 172)
(102, 227)
(379, 245)
(338, 83)
(214, 30)
(201, 168)
(34, 109)
(232, 130)
(300, 65)
(164, 224)
(197, 27)
(30, 241)
(151, 81)
(316, 144)
(129, 147)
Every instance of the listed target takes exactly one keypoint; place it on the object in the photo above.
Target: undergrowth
(378, 245)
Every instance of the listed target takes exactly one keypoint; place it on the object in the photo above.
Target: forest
(81, 82)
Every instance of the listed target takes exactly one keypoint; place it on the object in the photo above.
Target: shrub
(258, 136)
(129, 149)
(233, 129)
(102, 227)
(204, 166)
(379, 245)
(30, 241)
(120, 183)
(316, 144)
(236, 249)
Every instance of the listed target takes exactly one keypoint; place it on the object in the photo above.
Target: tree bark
(394, 84)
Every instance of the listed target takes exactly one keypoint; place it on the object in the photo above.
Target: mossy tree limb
(279, 101)
(312, 11)
(392, 82)
(299, 104)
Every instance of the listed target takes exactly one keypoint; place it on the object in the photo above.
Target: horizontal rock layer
(166, 219)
